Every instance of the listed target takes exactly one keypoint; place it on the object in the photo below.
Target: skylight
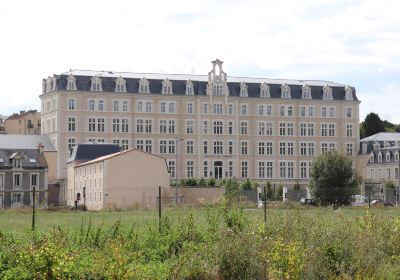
(32, 160)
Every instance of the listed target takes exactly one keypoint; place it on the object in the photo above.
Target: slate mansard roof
(90, 151)
(108, 80)
(30, 158)
(386, 140)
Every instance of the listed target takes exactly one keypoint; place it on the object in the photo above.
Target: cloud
(310, 39)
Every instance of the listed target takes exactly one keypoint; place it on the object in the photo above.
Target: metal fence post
(33, 207)
(265, 206)
(159, 209)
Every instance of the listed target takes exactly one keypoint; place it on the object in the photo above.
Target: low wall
(193, 195)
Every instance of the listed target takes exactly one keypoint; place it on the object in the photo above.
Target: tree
(371, 125)
(332, 179)
(270, 192)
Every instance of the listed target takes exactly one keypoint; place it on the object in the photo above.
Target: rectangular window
(323, 112)
(324, 130)
(268, 110)
(348, 112)
(171, 107)
(205, 108)
(290, 111)
(116, 124)
(163, 126)
(124, 144)
(171, 146)
(34, 180)
(230, 127)
(349, 149)
(230, 109)
(290, 171)
(190, 169)
(332, 112)
(282, 111)
(148, 126)
(243, 128)
(302, 111)
(1, 181)
(171, 168)
(230, 169)
(189, 127)
(311, 149)
(303, 129)
(243, 109)
(310, 130)
(189, 147)
(303, 149)
(218, 109)
(71, 104)
(124, 125)
(269, 170)
(139, 144)
(349, 130)
(148, 106)
(243, 147)
(163, 147)
(310, 111)
(115, 105)
(71, 124)
(162, 107)
(218, 147)
(17, 183)
(205, 147)
(261, 148)
(205, 127)
(290, 129)
(269, 129)
(139, 106)
(244, 166)
(268, 148)
(282, 167)
(139, 126)
(92, 124)
(331, 130)
(261, 128)
(261, 110)
(217, 127)
(205, 169)
(230, 147)
(261, 170)
(171, 126)
(282, 129)
(100, 125)
(149, 146)
(91, 104)
(125, 106)
(100, 105)
(282, 148)
(189, 108)
(303, 170)
(290, 148)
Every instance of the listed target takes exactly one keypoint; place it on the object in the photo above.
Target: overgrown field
(223, 242)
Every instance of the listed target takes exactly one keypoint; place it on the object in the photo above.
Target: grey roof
(18, 141)
(83, 83)
(382, 136)
(384, 151)
(89, 151)
(6, 155)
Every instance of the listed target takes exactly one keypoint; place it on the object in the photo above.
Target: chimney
(40, 148)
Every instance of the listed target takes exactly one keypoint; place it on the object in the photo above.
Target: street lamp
(176, 168)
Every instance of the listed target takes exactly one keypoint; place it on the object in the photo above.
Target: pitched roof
(21, 114)
(116, 154)
(22, 141)
(89, 151)
(383, 136)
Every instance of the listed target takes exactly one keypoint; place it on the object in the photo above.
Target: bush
(246, 184)
(202, 182)
(191, 182)
(211, 182)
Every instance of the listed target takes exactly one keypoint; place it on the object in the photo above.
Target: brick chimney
(40, 148)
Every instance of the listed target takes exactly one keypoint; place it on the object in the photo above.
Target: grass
(221, 242)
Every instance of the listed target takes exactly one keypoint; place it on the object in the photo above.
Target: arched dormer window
(217, 86)
(388, 157)
(264, 90)
(396, 156)
(144, 85)
(349, 93)
(166, 87)
(327, 93)
(189, 87)
(285, 91)
(71, 82)
(243, 90)
(96, 84)
(306, 92)
(50, 84)
(372, 158)
(364, 148)
(377, 146)
(120, 84)
(380, 157)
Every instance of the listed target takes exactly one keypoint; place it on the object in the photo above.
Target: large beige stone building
(127, 179)
(26, 122)
(204, 125)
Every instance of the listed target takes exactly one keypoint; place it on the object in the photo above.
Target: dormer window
(96, 84)
(364, 148)
(396, 156)
(243, 90)
(380, 157)
(144, 86)
(349, 93)
(306, 92)
(71, 83)
(120, 85)
(371, 158)
(327, 93)
(217, 86)
(388, 157)
(166, 87)
(386, 144)
(264, 90)
(189, 87)
(15, 159)
(377, 146)
(285, 91)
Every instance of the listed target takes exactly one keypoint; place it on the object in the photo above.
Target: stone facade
(26, 122)
(204, 125)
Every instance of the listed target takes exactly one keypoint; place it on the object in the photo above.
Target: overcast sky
(349, 42)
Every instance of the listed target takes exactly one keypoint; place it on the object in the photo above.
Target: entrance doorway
(218, 169)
